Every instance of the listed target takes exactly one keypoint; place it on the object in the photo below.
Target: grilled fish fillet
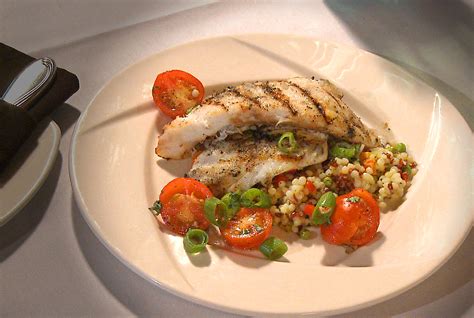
(239, 163)
(300, 103)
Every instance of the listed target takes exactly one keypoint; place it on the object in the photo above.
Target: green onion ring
(213, 205)
(343, 150)
(287, 138)
(273, 248)
(255, 198)
(195, 241)
(232, 202)
(324, 209)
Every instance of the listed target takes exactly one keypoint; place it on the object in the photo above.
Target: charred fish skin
(240, 163)
(301, 103)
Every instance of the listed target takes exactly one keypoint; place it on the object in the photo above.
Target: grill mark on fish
(350, 125)
(357, 124)
(235, 113)
(215, 101)
(253, 100)
(278, 95)
(314, 101)
(343, 106)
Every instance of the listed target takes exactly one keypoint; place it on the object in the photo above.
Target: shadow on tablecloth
(20, 227)
(437, 22)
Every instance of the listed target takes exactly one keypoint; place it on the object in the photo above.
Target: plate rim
(187, 296)
(36, 185)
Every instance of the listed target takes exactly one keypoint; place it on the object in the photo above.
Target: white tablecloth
(52, 264)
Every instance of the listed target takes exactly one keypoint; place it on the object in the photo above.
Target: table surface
(53, 265)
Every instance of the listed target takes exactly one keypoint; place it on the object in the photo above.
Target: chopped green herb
(353, 199)
(257, 228)
(244, 231)
(191, 109)
(156, 208)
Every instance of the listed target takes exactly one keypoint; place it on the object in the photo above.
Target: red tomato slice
(369, 221)
(183, 205)
(355, 220)
(175, 92)
(249, 228)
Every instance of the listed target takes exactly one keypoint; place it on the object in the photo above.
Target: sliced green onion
(255, 198)
(400, 147)
(287, 143)
(273, 248)
(324, 209)
(327, 181)
(232, 202)
(408, 170)
(216, 211)
(343, 150)
(305, 234)
(156, 208)
(195, 241)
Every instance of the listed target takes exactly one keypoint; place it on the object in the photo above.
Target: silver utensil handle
(31, 83)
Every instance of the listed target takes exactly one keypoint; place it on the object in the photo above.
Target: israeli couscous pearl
(385, 182)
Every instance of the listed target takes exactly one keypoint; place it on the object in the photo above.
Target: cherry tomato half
(355, 220)
(249, 228)
(183, 205)
(175, 92)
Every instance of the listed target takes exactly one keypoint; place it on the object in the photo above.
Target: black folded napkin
(16, 124)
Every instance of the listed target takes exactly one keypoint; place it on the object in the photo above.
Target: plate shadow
(20, 227)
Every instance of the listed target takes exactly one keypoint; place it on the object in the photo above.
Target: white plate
(23, 177)
(116, 177)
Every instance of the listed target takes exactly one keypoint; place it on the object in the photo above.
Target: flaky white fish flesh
(240, 163)
(299, 103)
